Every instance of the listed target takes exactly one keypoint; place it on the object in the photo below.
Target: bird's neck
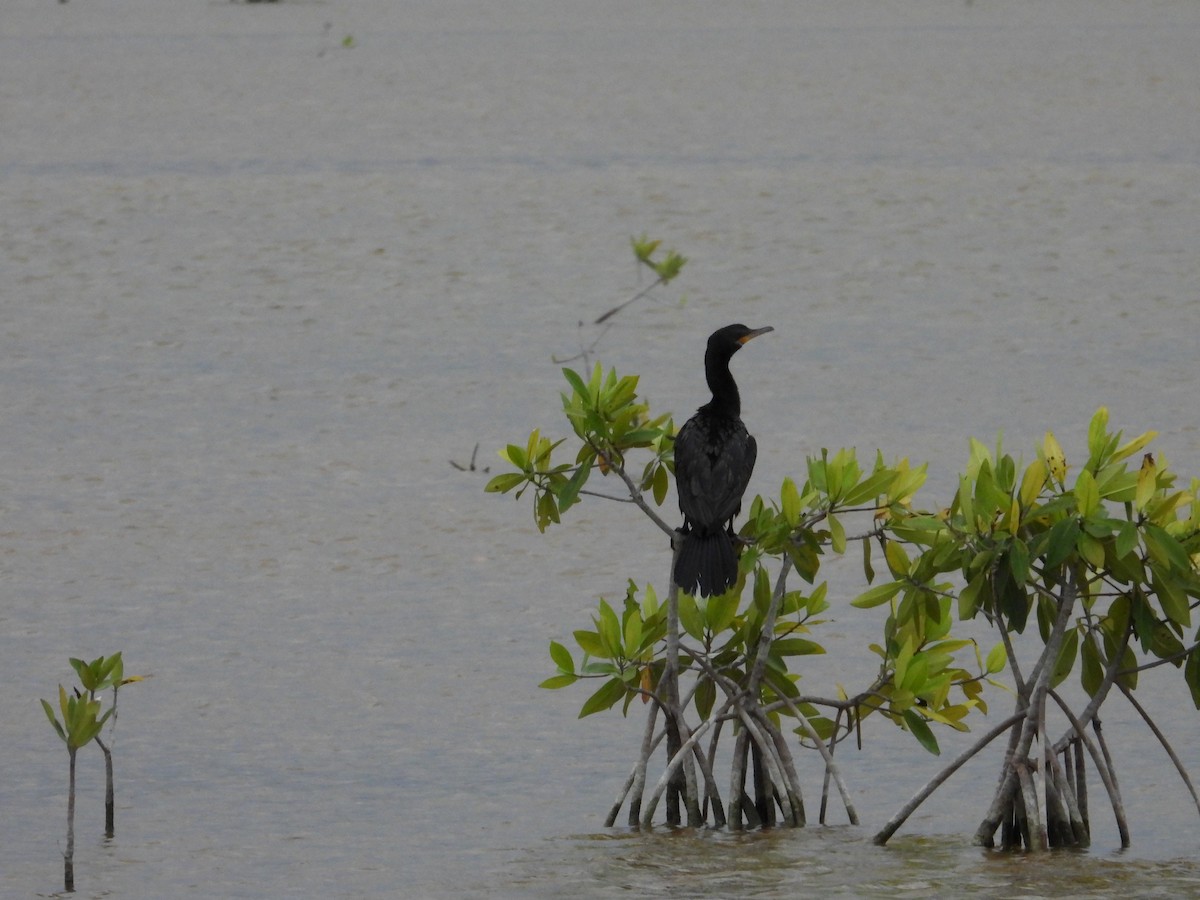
(725, 398)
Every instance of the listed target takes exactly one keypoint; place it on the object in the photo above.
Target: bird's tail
(707, 564)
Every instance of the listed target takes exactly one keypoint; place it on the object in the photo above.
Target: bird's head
(730, 339)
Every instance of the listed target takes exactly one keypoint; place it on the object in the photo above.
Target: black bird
(714, 457)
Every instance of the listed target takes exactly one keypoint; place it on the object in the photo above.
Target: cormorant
(714, 456)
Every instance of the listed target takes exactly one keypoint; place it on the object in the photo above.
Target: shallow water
(259, 288)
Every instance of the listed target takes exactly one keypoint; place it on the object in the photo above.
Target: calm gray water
(259, 287)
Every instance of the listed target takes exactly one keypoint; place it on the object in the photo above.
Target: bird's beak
(755, 333)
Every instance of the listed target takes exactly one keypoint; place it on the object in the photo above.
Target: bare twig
(620, 306)
(470, 467)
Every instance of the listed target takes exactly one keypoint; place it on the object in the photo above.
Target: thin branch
(1173, 658)
(1162, 740)
(1102, 762)
(635, 494)
(1118, 806)
(620, 306)
(922, 795)
(1019, 751)
(1110, 675)
(675, 762)
(766, 635)
(584, 352)
(831, 767)
(636, 781)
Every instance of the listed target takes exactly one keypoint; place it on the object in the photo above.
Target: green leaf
(969, 598)
(705, 697)
(790, 499)
(1191, 673)
(720, 612)
(1066, 658)
(633, 631)
(689, 616)
(1056, 460)
(837, 534)
(644, 247)
(1091, 674)
(503, 483)
(669, 267)
(650, 604)
(660, 484)
(1098, 436)
(1172, 598)
(965, 500)
(897, 559)
(568, 494)
(1147, 483)
(1087, 497)
(54, 720)
(796, 647)
(1135, 445)
(609, 628)
(1032, 483)
(871, 487)
(921, 731)
(1091, 550)
(546, 511)
(1165, 549)
(997, 659)
(515, 455)
(562, 658)
(1018, 561)
(577, 384)
(592, 645)
(868, 569)
(1061, 542)
(1127, 539)
(611, 693)
(878, 595)
(554, 682)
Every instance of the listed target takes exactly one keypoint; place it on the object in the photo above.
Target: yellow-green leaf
(1087, 497)
(1090, 549)
(1135, 445)
(1032, 482)
(790, 498)
(877, 595)
(837, 535)
(897, 559)
(997, 659)
(1056, 460)
(1146, 483)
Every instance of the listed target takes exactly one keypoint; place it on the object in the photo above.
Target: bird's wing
(710, 484)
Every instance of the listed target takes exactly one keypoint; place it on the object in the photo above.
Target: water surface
(269, 268)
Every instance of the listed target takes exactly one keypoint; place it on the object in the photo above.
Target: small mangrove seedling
(96, 676)
(81, 722)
